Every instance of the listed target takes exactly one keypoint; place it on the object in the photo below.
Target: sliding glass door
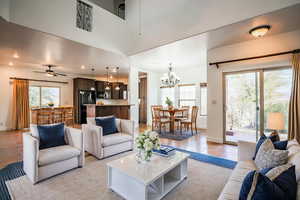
(277, 89)
(254, 102)
(242, 107)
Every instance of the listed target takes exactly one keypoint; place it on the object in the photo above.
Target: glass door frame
(260, 96)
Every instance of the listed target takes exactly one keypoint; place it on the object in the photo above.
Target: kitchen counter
(108, 105)
(121, 111)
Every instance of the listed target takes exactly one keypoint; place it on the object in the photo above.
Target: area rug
(230, 164)
(205, 181)
(177, 135)
(10, 172)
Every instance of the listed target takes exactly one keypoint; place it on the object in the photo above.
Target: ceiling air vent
(84, 18)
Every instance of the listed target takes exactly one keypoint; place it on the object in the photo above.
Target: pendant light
(170, 79)
(107, 83)
(117, 87)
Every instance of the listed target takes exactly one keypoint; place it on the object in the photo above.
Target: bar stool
(44, 116)
(69, 116)
(58, 115)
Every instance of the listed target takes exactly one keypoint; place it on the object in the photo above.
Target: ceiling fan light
(49, 75)
(260, 31)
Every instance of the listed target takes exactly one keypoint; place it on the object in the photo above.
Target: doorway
(142, 97)
(252, 99)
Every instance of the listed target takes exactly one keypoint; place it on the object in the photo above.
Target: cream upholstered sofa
(105, 146)
(42, 164)
(246, 164)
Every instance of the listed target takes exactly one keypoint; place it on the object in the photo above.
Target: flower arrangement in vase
(145, 143)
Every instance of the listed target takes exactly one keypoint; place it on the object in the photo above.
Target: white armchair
(42, 164)
(104, 146)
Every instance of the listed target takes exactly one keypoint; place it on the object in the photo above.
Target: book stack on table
(165, 151)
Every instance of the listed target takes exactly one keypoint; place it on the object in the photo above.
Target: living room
(98, 98)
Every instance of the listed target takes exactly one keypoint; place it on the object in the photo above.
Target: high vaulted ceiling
(163, 22)
(191, 52)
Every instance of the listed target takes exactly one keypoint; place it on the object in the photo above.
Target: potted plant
(145, 143)
(50, 104)
(169, 103)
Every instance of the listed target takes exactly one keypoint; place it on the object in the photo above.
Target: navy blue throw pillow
(260, 187)
(274, 138)
(280, 145)
(286, 180)
(51, 135)
(108, 125)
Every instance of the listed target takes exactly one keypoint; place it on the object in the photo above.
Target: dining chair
(184, 115)
(192, 121)
(158, 120)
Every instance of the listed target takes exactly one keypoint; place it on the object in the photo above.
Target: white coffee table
(146, 181)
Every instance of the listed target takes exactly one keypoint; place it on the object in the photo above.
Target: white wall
(153, 93)
(5, 9)
(59, 18)
(267, 45)
(6, 90)
(133, 94)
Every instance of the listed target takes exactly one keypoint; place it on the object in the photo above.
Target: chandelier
(170, 79)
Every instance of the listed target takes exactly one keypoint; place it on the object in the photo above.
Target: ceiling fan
(49, 72)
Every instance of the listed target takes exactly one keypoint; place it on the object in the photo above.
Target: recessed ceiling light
(16, 55)
(111, 77)
(82, 67)
(260, 31)
(10, 63)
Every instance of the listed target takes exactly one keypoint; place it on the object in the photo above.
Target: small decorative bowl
(50, 104)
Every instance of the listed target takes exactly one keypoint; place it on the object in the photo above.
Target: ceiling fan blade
(39, 72)
(60, 74)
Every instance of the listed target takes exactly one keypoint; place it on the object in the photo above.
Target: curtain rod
(255, 57)
(61, 82)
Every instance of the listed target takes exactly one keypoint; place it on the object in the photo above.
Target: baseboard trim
(216, 140)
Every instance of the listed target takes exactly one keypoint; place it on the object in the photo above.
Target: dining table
(172, 114)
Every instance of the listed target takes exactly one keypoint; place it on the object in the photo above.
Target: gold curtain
(20, 105)
(294, 107)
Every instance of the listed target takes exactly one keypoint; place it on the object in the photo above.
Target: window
(187, 95)
(167, 92)
(42, 96)
(203, 99)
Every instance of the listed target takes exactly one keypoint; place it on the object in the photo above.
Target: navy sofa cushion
(263, 189)
(283, 185)
(286, 180)
(280, 145)
(51, 135)
(108, 125)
